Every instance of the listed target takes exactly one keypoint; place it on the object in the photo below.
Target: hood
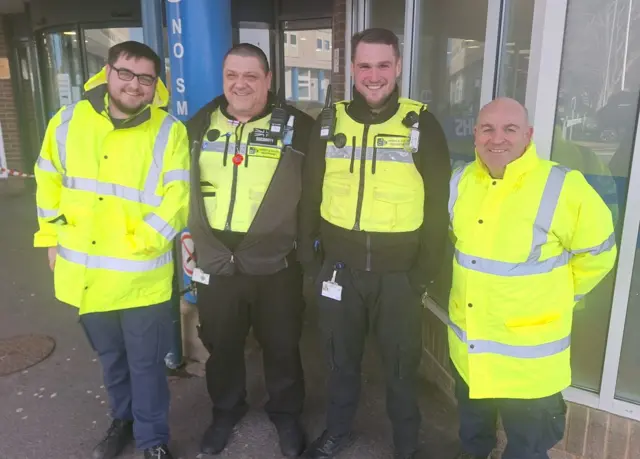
(161, 98)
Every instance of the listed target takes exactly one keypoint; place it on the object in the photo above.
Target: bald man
(531, 239)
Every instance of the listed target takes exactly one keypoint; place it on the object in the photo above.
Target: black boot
(118, 436)
(327, 446)
(216, 437)
(291, 436)
(158, 452)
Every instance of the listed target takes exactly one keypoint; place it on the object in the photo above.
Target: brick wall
(589, 433)
(8, 114)
(339, 23)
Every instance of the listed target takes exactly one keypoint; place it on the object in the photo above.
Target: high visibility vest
(112, 200)
(236, 168)
(371, 183)
(528, 247)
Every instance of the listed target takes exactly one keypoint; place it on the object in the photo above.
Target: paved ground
(57, 409)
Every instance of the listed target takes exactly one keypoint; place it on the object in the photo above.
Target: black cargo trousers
(386, 305)
(273, 305)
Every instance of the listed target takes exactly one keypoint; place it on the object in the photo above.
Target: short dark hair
(375, 35)
(136, 50)
(248, 50)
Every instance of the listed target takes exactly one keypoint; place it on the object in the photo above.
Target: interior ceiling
(12, 6)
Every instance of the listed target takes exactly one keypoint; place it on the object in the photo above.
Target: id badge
(200, 277)
(331, 289)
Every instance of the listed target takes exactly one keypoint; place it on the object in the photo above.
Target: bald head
(502, 134)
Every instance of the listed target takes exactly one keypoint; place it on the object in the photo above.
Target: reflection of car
(310, 107)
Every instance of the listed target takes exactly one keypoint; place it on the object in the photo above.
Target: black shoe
(118, 436)
(216, 437)
(158, 452)
(291, 435)
(327, 446)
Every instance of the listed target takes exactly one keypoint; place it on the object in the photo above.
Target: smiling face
(502, 134)
(129, 93)
(246, 86)
(375, 69)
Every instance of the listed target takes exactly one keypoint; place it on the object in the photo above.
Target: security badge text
(262, 145)
(407, 143)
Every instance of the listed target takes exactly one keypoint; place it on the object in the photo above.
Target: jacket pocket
(533, 321)
(391, 206)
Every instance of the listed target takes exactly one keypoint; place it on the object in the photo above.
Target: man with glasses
(112, 193)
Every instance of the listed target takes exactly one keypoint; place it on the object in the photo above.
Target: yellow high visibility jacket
(384, 192)
(232, 195)
(112, 200)
(527, 248)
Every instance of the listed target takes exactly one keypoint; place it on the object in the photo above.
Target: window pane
(390, 15)
(98, 41)
(447, 75)
(319, 44)
(594, 126)
(63, 80)
(514, 61)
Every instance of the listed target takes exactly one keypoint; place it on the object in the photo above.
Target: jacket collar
(359, 110)
(515, 169)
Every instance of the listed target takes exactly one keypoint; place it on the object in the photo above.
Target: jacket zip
(226, 151)
(363, 161)
(234, 184)
(353, 154)
(375, 154)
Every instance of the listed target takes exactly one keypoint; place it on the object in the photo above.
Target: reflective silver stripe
(607, 245)
(503, 268)
(334, 152)
(509, 350)
(62, 133)
(111, 189)
(161, 226)
(392, 155)
(577, 298)
(47, 213)
(176, 175)
(114, 264)
(162, 139)
(453, 188)
(546, 210)
(46, 165)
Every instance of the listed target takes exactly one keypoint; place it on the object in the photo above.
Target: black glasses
(128, 75)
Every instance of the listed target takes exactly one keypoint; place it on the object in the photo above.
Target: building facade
(575, 64)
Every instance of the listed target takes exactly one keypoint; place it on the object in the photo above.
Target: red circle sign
(237, 159)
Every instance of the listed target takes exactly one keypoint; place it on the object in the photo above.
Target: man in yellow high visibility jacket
(531, 238)
(112, 193)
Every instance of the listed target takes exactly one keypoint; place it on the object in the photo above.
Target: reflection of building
(465, 75)
(98, 42)
(307, 55)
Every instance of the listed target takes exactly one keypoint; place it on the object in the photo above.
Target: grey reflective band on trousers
(510, 350)
(541, 227)
(148, 195)
(47, 213)
(46, 165)
(394, 155)
(114, 264)
(62, 133)
(161, 226)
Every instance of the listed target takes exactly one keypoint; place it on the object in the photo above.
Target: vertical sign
(179, 109)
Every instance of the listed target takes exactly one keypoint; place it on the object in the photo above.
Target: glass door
(307, 49)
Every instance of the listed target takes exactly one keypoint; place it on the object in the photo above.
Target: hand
(52, 252)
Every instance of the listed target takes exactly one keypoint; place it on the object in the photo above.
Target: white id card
(331, 289)
(200, 277)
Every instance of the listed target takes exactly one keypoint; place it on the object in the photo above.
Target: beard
(128, 109)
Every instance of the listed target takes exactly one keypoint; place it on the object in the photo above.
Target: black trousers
(273, 306)
(387, 306)
(532, 426)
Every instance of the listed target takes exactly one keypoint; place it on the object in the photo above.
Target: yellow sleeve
(592, 243)
(48, 175)
(159, 228)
